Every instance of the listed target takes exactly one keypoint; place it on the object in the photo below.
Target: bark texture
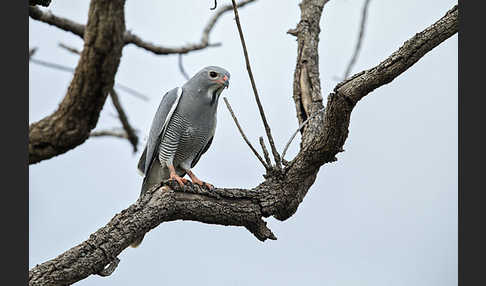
(71, 124)
(281, 192)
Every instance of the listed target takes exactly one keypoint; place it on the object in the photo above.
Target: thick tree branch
(307, 85)
(278, 196)
(71, 124)
(130, 38)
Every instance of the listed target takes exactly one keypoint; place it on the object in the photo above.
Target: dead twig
(109, 133)
(71, 70)
(52, 65)
(360, 40)
(70, 49)
(265, 151)
(215, 5)
(267, 167)
(132, 91)
(297, 131)
(132, 137)
(181, 68)
(32, 52)
(276, 156)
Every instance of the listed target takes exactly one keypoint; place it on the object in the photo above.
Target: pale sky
(384, 214)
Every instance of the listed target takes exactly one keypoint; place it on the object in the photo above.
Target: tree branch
(109, 133)
(276, 156)
(130, 38)
(307, 85)
(59, 22)
(360, 39)
(295, 133)
(131, 136)
(71, 124)
(265, 151)
(267, 167)
(125, 88)
(181, 67)
(70, 49)
(277, 196)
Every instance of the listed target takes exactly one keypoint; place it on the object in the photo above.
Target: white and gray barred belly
(182, 138)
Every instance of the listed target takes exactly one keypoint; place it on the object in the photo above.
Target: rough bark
(307, 85)
(279, 195)
(71, 124)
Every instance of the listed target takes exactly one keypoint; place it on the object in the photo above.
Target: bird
(182, 130)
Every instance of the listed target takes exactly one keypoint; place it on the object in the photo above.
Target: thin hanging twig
(243, 134)
(215, 5)
(181, 67)
(296, 131)
(276, 156)
(360, 40)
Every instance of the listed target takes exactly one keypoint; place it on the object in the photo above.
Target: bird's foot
(179, 179)
(202, 184)
(195, 180)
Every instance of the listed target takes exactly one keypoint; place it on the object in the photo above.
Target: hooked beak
(224, 81)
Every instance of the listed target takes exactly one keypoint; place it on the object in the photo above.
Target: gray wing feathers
(141, 162)
(162, 116)
(202, 151)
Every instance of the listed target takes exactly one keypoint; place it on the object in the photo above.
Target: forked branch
(243, 134)
(276, 156)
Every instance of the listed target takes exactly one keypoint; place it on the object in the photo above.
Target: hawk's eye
(213, 74)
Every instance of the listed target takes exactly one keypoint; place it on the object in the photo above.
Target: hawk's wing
(167, 106)
(202, 151)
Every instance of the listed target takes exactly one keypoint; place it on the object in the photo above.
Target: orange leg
(174, 176)
(195, 180)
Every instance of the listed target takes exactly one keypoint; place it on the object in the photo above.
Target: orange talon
(174, 176)
(195, 180)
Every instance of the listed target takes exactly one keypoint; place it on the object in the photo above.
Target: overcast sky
(384, 214)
